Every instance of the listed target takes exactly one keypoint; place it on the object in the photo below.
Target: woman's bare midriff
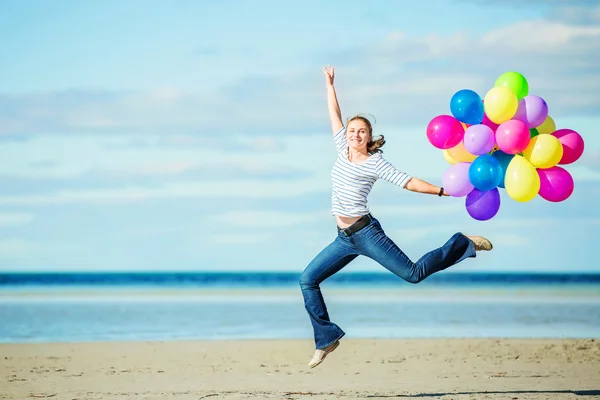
(344, 222)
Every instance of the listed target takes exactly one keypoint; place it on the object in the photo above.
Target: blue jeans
(370, 241)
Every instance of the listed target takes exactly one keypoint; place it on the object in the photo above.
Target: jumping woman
(358, 165)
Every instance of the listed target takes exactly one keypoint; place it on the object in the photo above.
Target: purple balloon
(479, 139)
(532, 110)
(483, 205)
(456, 180)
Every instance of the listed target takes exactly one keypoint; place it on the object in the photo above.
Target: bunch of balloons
(506, 140)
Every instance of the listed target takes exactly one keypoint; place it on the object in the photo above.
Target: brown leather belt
(357, 226)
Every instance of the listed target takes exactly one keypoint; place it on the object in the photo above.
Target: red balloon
(572, 143)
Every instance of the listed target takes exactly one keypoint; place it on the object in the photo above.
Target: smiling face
(358, 134)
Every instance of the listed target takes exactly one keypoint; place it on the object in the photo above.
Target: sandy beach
(267, 369)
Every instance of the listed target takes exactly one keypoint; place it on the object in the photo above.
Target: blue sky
(190, 135)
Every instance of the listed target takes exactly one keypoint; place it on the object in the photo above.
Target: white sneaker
(320, 354)
(481, 243)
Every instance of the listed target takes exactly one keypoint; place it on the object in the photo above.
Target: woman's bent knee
(414, 279)
(306, 281)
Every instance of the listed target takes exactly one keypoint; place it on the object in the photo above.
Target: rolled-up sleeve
(340, 139)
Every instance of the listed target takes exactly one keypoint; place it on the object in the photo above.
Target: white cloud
(546, 222)
(575, 14)
(246, 189)
(64, 156)
(387, 214)
(268, 219)
(152, 168)
(405, 87)
(411, 235)
(15, 219)
(15, 247)
(206, 173)
(403, 78)
(237, 239)
(591, 159)
(540, 37)
(284, 219)
(410, 210)
(533, 3)
(512, 240)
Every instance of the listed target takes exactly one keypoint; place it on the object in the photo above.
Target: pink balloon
(456, 180)
(532, 110)
(556, 184)
(479, 139)
(512, 136)
(445, 132)
(492, 125)
(572, 143)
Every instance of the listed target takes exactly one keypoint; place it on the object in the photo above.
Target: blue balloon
(467, 106)
(485, 172)
(504, 159)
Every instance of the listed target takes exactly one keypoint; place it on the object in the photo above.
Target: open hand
(329, 74)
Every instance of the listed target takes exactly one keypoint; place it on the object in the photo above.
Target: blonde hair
(374, 146)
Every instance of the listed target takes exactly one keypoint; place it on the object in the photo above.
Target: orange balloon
(459, 154)
(448, 158)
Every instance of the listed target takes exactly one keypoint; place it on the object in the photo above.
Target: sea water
(72, 307)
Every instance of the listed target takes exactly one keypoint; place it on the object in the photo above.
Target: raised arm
(335, 115)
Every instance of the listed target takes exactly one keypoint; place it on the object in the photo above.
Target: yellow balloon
(500, 104)
(544, 151)
(522, 182)
(448, 158)
(547, 127)
(459, 154)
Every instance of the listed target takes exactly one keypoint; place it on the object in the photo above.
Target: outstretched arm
(335, 115)
(420, 186)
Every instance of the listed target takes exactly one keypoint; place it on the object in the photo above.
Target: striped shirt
(352, 182)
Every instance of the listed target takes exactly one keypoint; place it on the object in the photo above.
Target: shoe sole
(329, 351)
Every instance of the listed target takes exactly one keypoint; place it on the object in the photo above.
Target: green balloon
(533, 133)
(515, 82)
